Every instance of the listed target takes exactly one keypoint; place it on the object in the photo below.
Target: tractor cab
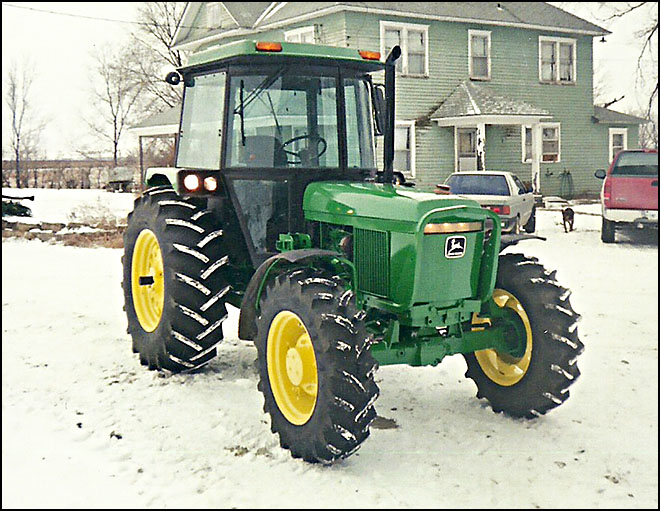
(261, 121)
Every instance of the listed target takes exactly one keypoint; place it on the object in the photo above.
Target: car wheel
(607, 233)
(530, 226)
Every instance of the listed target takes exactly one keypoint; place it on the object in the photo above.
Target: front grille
(372, 261)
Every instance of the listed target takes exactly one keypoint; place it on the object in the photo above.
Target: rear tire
(321, 411)
(538, 381)
(175, 278)
(530, 226)
(608, 231)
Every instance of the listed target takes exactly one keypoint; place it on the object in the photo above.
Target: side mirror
(600, 174)
(380, 108)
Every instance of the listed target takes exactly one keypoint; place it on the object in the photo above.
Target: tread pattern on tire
(347, 390)
(191, 244)
(556, 346)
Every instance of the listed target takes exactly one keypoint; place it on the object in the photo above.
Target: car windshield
(472, 184)
(636, 163)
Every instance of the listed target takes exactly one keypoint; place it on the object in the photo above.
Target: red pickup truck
(629, 196)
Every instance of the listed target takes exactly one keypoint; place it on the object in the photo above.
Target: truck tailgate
(635, 192)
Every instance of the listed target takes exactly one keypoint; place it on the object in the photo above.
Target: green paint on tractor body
(400, 269)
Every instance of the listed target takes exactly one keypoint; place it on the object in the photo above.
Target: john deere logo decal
(455, 247)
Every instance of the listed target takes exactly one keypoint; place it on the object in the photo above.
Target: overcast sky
(59, 46)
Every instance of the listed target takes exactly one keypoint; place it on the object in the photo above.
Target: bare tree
(153, 53)
(24, 125)
(116, 95)
(648, 34)
(648, 133)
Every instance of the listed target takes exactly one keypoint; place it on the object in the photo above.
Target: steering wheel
(306, 155)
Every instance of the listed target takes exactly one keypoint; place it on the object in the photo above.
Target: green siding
(514, 73)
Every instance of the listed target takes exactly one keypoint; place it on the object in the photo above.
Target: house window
(479, 54)
(404, 148)
(301, 35)
(413, 40)
(618, 141)
(557, 60)
(550, 143)
(526, 144)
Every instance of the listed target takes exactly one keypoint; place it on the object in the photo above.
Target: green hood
(366, 204)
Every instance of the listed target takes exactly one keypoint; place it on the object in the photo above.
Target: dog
(568, 216)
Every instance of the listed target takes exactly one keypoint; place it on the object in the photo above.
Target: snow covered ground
(85, 425)
(64, 206)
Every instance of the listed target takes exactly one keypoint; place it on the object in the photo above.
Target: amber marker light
(191, 182)
(451, 228)
(211, 184)
(261, 46)
(369, 55)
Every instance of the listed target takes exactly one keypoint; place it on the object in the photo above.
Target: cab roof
(238, 51)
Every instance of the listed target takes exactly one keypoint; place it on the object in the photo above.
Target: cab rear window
(636, 164)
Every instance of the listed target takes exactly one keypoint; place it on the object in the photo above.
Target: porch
(473, 106)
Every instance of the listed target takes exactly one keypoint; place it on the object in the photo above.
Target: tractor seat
(262, 151)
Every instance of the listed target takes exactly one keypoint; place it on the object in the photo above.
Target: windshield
(470, 184)
(636, 163)
(289, 119)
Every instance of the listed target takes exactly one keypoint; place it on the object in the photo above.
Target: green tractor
(276, 206)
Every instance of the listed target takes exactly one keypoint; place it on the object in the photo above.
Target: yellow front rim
(504, 369)
(292, 367)
(147, 280)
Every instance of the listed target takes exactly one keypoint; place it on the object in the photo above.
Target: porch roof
(474, 103)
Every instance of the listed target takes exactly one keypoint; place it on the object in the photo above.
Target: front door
(466, 149)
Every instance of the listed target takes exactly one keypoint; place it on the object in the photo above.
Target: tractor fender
(247, 328)
(159, 176)
(508, 240)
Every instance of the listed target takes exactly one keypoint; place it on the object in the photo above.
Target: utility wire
(98, 18)
(143, 23)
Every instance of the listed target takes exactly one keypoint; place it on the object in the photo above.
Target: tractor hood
(373, 205)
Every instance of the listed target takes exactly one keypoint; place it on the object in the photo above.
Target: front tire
(537, 381)
(174, 281)
(315, 368)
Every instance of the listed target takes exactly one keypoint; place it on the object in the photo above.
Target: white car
(501, 192)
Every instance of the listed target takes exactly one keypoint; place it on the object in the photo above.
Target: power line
(144, 23)
(98, 18)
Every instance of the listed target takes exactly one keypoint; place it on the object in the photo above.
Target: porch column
(537, 141)
(481, 146)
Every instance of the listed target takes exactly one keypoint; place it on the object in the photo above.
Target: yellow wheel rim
(502, 368)
(292, 367)
(147, 280)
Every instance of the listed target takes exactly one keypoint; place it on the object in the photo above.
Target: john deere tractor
(276, 206)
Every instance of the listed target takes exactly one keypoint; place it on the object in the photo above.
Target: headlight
(450, 228)
(211, 184)
(191, 182)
